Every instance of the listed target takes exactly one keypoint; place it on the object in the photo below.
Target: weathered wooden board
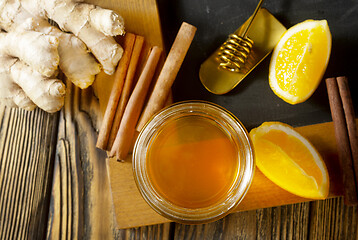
(27, 145)
(327, 219)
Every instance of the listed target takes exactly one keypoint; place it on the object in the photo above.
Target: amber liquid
(192, 162)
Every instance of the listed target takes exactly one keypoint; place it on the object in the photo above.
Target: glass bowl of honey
(193, 162)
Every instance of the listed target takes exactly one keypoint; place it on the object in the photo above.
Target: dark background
(252, 101)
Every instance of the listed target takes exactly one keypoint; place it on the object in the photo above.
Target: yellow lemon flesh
(289, 160)
(299, 60)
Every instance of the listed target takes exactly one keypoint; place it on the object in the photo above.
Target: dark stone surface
(252, 101)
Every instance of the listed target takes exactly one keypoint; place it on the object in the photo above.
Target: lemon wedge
(299, 60)
(289, 160)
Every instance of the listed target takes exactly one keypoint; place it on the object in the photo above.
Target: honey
(192, 162)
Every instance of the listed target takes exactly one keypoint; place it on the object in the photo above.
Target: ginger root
(31, 50)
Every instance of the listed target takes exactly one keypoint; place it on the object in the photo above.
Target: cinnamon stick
(168, 73)
(119, 77)
(127, 89)
(350, 121)
(123, 141)
(343, 145)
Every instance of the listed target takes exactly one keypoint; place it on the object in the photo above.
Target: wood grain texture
(326, 219)
(81, 206)
(159, 231)
(287, 222)
(27, 147)
(331, 219)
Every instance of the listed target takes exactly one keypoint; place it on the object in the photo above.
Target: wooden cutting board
(142, 17)
(132, 211)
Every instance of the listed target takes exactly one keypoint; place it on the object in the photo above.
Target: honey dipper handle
(252, 18)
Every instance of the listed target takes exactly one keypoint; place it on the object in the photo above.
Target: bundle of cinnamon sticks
(343, 116)
(127, 110)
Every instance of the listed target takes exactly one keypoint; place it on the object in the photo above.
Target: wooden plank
(331, 219)
(325, 219)
(160, 232)
(286, 222)
(262, 194)
(26, 159)
(81, 187)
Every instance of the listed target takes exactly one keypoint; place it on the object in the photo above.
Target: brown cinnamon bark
(120, 75)
(124, 138)
(343, 145)
(127, 89)
(350, 121)
(168, 73)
